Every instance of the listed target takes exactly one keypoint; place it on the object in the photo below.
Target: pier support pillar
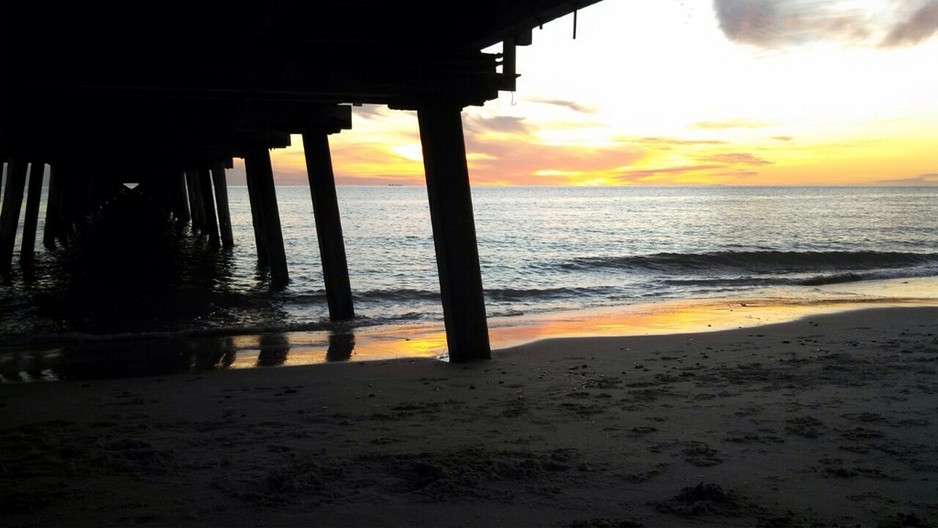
(328, 225)
(10, 212)
(179, 198)
(55, 211)
(260, 176)
(221, 198)
(210, 226)
(196, 206)
(31, 221)
(457, 252)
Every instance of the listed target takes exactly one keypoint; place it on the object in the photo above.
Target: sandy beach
(825, 421)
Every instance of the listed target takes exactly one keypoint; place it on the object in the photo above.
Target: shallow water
(543, 251)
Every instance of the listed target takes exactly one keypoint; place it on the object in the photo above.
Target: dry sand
(830, 420)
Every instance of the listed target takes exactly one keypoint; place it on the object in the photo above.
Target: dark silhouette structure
(168, 93)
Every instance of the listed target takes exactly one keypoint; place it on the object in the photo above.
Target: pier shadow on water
(134, 294)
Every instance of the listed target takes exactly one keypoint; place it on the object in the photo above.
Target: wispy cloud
(916, 27)
(576, 107)
(674, 142)
(500, 124)
(729, 124)
(740, 158)
(922, 179)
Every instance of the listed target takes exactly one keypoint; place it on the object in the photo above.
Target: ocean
(542, 250)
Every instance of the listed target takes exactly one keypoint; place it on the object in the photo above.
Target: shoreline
(822, 421)
(111, 357)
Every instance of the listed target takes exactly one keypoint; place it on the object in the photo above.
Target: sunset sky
(673, 92)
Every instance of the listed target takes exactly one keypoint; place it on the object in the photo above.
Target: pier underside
(166, 97)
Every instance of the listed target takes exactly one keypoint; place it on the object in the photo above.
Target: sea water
(541, 249)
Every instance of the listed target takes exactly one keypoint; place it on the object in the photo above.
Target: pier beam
(260, 176)
(10, 212)
(31, 221)
(224, 211)
(328, 225)
(457, 253)
(210, 225)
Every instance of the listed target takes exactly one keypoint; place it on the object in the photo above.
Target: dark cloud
(576, 107)
(783, 138)
(775, 23)
(919, 26)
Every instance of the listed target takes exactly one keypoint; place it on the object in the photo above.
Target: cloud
(774, 23)
(499, 124)
(919, 26)
(673, 142)
(728, 124)
(783, 138)
(738, 158)
(576, 107)
(930, 179)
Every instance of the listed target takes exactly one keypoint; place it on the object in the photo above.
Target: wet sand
(829, 420)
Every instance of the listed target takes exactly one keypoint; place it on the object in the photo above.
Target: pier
(166, 97)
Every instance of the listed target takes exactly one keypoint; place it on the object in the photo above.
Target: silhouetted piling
(208, 205)
(196, 206)
(328, 226)
(10, 214)
(55, 213)
(454, 236)
(31, 221)
(179, 198)
(260, 175)
(221, 197)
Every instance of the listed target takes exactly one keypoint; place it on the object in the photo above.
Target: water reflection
(341, 346)
(273, 350)
(155, 356)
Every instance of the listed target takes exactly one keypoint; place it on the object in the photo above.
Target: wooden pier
(167, 101)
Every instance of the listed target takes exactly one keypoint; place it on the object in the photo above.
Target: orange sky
(668, 92)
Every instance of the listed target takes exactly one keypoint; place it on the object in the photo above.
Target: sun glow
(672, 93)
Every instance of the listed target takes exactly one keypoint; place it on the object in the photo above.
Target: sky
(689, 92)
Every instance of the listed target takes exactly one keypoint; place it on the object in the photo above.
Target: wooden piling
(221, 198)
(257, 165)
(10, 212)
(328, 226)
(179, 198)
(31, 221)
(457, 254)
(257, 220)
(55, 212)
(196, 206)
(208, 205)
